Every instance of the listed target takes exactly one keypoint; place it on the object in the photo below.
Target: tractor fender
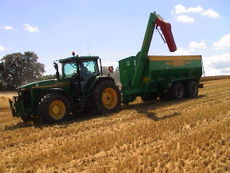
(99, 79)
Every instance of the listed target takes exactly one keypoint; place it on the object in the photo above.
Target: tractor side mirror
(57, 72)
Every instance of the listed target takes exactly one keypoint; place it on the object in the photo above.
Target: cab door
(87, 70)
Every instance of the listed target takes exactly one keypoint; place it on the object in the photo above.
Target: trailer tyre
(106, 97)
(191, 89)
(177, 91)
(54, 108)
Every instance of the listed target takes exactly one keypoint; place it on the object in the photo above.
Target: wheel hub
(57, 109)
(109, 98)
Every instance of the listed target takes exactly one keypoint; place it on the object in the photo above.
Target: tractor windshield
(87, 69)
(69, 69)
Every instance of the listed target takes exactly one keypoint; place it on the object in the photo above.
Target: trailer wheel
(177, 91)
(54, 108)
(191, 89)
(106, 97)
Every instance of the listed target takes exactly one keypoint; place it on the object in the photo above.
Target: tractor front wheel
(54, 108)
(106, 97)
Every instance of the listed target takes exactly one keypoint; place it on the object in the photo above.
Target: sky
(114, 29)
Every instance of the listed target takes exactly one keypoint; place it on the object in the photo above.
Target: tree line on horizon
(19, 69)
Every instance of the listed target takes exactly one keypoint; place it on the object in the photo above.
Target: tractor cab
(78, 69)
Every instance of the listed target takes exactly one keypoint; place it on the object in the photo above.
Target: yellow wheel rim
(57, 109)
(109, 98)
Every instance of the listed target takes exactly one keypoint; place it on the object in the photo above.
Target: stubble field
(192, 135)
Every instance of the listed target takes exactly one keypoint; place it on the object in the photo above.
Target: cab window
(91, 66)
(69, 69)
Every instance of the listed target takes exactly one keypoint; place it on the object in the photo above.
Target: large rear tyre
(177, 91)
(106, 97)
(191, 89)
(54, 108)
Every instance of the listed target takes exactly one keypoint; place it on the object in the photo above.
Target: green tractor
(80, 85)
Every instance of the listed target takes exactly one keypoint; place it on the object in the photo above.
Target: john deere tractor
(79, 86)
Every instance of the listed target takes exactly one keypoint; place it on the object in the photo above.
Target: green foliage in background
(20, 68)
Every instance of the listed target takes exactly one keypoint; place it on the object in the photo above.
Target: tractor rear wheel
(106, 97)
(191, 89)
(54, 108)
(177, 91)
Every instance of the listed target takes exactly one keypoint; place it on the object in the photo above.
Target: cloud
(211, 13)
(223, 43)
(181, 10)
(181, 51)
(30, 28)
(193, 46)
(221, 64)
(197, 45)
(2, 48)
(225, 71)
(217, 64)
(184, 19)
(7, 27)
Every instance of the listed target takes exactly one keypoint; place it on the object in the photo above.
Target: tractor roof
(78, 58)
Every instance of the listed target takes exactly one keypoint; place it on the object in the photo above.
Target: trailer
(81, 84)
(158, 76)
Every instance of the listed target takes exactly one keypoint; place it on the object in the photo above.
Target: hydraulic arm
(155, 21)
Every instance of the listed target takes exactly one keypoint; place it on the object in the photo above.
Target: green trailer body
(158, 75)
(144, 75)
